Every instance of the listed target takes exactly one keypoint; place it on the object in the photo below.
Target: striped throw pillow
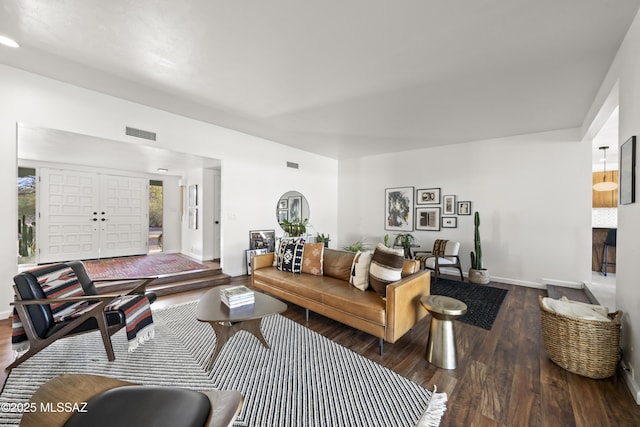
(386, 268)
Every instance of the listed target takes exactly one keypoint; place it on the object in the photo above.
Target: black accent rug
(483, 302)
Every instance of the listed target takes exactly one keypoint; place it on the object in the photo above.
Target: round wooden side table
(441, 345)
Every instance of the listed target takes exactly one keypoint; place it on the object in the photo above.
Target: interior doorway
(604, 211)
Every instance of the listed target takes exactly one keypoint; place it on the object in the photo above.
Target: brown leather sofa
(333, 296)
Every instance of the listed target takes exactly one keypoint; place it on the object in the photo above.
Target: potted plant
(321, 238)
(357, 246)
(295, 228)
(477, 274)
(405, 240)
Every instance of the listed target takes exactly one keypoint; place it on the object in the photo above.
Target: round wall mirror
(292, 211)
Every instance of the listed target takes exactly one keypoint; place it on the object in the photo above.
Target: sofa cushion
(365, 305)
(290, 254)
(338, 264)
(360, 270)
(386, 268)
(303, 285)
(410, 266)
(312, 258)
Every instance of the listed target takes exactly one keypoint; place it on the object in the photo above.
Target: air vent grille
(139, 133)
(293, 165)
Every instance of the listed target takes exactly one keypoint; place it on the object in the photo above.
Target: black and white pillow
(289, 256)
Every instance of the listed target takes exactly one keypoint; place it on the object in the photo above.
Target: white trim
(633, 385)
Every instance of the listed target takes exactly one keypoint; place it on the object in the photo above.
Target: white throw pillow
(360, 270)
(576, 309)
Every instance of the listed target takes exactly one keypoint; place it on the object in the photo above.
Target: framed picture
(262, 239)
(428, 196)
(428, 219)
(283, 215)
(193, 195)
(398, 209)
(628, 172)
(449, 205)
(295, 208)
(449, 222)
(193, 218)
(249, 254)
(464, 208)
(283, 204)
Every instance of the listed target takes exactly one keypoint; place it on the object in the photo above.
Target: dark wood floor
(504, 377)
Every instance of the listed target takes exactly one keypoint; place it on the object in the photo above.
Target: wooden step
(573, 294)
(189, 285)
(167, 284)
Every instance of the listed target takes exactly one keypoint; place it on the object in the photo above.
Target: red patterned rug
(140, 266)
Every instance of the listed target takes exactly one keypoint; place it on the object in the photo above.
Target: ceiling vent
(139, 133)
(293, 165)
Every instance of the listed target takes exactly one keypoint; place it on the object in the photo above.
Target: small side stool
(441, 345)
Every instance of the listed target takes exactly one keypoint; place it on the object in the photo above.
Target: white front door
(85, 215)
(124, 216)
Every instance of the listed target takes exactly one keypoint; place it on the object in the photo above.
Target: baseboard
(633, 385)
(6, 314)
(516, 282)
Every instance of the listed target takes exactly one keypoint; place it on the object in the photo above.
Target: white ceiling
(57, 146)
(335, 77)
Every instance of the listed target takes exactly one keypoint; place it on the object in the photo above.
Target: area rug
(483, 302)
(304, 379)
(140, 266)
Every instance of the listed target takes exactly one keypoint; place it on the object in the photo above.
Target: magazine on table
(236, 296)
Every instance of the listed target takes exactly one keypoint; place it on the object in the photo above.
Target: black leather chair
(112, 402)
(34, 310)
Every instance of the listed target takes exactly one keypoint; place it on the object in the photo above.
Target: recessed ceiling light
(163, 170)
(8, 42)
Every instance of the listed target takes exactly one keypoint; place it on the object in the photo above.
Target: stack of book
(237, 296)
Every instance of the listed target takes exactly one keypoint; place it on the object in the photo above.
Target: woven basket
(585, 347)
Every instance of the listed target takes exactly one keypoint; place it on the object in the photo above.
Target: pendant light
(605, 185)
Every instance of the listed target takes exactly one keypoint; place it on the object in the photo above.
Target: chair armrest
(262, 261)
(422, 252)
(67, 299)
(142, 287)
(403, 304)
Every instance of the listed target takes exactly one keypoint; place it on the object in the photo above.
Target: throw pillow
(338, 264)
(281, 243)
(386, 268)
(312, 258)
(290, 258)
(360, 270)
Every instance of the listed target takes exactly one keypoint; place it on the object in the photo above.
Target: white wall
(533, 194)
(624, 75)
(254, 172)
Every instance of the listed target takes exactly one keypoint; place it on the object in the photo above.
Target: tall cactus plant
(26, 245)
(476, 258)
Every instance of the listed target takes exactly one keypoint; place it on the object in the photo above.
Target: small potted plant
(357, 246)
(295, 228)
(477, 274)
(405, 240)
(321, 238)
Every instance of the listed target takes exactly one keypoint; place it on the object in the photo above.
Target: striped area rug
(304, 379)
